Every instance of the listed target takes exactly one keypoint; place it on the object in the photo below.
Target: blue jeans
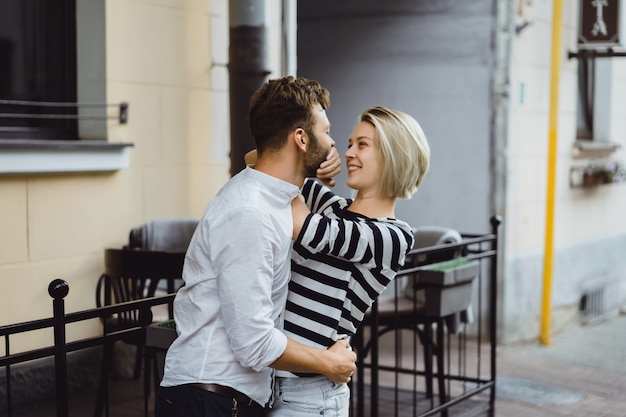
(310, 396)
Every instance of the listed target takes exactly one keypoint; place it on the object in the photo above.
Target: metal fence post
(493, 301)
(58, 289)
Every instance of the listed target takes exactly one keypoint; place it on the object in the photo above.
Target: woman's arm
(299, 211)
(375, 244)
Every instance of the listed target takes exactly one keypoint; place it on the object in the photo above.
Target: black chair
(406, 308)
(170, 234)
(131, 275)
(166, 234)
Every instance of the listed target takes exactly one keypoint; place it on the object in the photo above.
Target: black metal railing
(58, 289)
(58, 110)
(404, 337)
(398, 372)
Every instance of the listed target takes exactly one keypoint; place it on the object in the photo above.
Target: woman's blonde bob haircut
(405, 154)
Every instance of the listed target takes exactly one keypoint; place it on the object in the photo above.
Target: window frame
(88, 149)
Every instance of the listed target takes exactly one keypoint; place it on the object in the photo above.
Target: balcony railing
(430, 347)
(436, 361)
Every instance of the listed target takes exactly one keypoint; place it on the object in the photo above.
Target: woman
(348, 250)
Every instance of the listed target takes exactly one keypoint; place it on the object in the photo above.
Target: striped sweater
(340, 263)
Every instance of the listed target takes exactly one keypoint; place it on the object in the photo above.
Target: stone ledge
(22, 156)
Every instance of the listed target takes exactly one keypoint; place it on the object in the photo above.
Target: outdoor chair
(166, 235)
(131, 275)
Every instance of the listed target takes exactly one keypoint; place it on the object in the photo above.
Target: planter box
(448, 286)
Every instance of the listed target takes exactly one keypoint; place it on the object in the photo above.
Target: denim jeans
(310, 396)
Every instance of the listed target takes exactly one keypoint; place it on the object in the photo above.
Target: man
(229, 313)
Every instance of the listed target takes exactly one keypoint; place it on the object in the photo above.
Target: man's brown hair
(282, 105)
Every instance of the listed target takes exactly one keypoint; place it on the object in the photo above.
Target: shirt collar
(278, 186)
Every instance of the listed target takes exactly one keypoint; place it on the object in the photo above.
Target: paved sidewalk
(582, 373)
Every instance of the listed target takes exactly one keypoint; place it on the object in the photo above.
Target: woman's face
(363, 159)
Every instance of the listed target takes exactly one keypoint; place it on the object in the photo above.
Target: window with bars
(53, 107)
(38, 77)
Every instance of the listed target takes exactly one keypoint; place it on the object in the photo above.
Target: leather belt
(225, 391)
(305, 374)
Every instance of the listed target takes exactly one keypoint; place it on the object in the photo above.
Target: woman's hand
(329, 168)
(250, 157)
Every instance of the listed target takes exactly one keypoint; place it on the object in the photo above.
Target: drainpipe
(290, 31)
(247, 56)
(499, 129)
(555, 67)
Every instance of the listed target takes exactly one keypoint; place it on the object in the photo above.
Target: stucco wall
(589, 225)
(168, 60)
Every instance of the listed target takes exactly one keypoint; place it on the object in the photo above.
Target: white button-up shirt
(229, 312)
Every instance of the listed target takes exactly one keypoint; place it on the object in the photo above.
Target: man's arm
(338, 362)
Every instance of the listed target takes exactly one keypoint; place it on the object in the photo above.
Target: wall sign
(599, 23)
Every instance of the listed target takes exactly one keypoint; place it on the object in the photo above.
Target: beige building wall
(168, 60)
(587, 222)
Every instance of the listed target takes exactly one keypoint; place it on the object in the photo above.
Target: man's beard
(314, 156)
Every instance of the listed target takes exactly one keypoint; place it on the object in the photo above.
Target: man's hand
(344, 362)
(329, 168)
(338, 362)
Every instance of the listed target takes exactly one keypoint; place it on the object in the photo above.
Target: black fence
(58, 289)
(427, 348)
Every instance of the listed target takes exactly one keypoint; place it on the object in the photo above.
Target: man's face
(319, 143)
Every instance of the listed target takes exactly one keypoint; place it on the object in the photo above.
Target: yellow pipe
(555, 67)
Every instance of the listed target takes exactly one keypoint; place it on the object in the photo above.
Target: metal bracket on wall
(121, 117)
(597, 53)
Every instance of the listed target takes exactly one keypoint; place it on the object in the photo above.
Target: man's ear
(301, 138)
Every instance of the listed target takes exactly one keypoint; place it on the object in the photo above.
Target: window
(599, 32)
(52, 56)
(585, 98)
(595, 91)
(38, 65)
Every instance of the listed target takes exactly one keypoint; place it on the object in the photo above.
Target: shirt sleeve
(320, 198)
(245, 274)
(374, 244)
